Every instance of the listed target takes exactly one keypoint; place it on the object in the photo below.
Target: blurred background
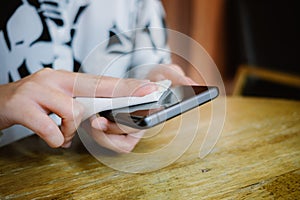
(254, 43)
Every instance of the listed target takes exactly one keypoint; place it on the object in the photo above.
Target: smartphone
(172, 103)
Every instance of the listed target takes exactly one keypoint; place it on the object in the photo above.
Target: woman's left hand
(113, 136)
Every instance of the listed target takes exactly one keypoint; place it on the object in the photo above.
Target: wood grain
(257, 156)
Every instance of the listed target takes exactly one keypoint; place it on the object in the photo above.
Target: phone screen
(172, 103)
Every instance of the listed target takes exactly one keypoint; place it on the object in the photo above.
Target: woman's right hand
(30, 100)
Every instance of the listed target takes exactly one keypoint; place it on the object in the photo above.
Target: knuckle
(43, 72)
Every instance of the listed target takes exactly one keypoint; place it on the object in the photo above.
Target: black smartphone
(172, 103)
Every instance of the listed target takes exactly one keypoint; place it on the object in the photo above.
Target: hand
(171, 72)
(29, 101)
(116, 137)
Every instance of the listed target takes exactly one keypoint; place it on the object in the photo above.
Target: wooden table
(257, 156)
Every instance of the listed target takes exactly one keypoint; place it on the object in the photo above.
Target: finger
(88, 85)
(171, 72)
(70, 125)
(40, 123)
(117, 143)
(68, 128)
(122, 143)
(99, 123)
(184, 80)
(109, 127)
(176, 74)
(177, 79)
(191, 81)
(124, 87)
(115, 128)
(143, 89)
(64, 106)
(175, 68)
